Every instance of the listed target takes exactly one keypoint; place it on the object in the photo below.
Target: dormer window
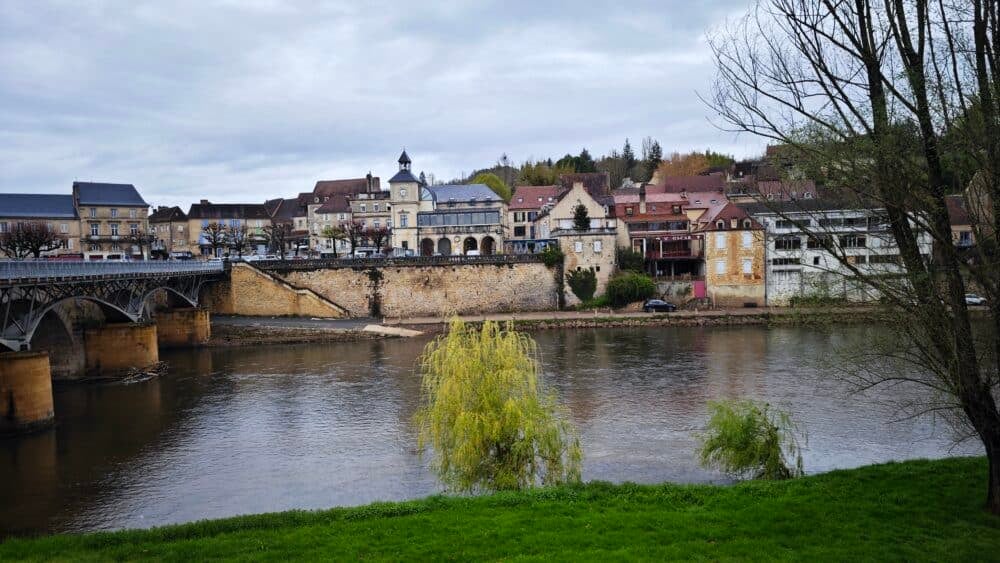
(628, 210)
(697, 202)
(316, 200)
(715, 201)
(540, 198)
(720, 224)
(746, 223)
(520, 200)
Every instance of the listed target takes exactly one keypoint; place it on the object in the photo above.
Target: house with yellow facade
(734, 258)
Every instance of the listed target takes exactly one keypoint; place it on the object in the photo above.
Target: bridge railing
(18, 270)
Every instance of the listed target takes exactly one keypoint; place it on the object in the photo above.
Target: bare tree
(215, 235)
(29, 239)
(334, 235)
(379, 237)
(276, 235)
(239, 239)
(355, 231)
(864, 91)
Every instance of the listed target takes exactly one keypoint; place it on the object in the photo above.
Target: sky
(246, 100)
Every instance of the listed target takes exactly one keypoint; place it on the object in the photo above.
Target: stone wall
(252, 292)
(431, 290)
(734, 267)
(116, 348)
(25, 391)
(183, 327)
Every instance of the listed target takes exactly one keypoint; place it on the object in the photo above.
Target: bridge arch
(33, 320)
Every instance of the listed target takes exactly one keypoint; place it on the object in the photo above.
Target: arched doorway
(488, 246)
(469, 245)
(444, 247)
(426, 247)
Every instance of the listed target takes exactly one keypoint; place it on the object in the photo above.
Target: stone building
(592, 248)
(798, 235)
(291, 212)
(169, 228)
(232, 215)
(112, 219)
(655, 223)
(56, 211)
(443, 220)
(460, 219)
(525, 205)
(734, 258)
(330, 206)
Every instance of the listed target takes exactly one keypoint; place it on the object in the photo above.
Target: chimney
(642, 198)
(204, 202)
(369, 180)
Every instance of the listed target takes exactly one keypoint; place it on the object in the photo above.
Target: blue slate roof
(404, 176)
(463, 192)
(100, 193)
(37, 206)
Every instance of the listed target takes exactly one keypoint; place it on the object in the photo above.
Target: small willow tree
(748, 439)
(489, 421)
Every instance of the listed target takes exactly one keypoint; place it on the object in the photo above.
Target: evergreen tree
(653, 160)
(581, 219)
(628, 157)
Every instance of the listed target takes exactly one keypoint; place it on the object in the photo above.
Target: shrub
(628, 287)
(484, 412)
(552, 256)
(583, 283)
(599, 302)
(630, 260)
(747, 439)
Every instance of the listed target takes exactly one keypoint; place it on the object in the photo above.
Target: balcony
(673, 254)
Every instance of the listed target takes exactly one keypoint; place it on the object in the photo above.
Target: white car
(973, 299)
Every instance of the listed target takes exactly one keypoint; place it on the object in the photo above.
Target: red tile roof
(727, 213)
(534, 197)
(958, 213)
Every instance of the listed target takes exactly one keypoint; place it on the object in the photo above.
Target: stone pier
(115, 348)
(25, 391)
(178, 328)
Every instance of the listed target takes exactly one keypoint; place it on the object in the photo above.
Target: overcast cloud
(242, 100)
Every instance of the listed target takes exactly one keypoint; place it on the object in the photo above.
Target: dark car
(659, 306)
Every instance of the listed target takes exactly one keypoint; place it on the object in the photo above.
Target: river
(248, 430)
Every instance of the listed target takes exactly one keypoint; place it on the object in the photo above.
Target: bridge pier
(115, 348)
(25, 392)
(176, 328)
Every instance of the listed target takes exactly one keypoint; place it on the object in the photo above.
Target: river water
(238, 431)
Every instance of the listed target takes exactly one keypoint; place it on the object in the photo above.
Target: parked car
(658, 306)
(973, 299)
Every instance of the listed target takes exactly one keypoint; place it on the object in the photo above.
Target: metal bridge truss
(23, 302)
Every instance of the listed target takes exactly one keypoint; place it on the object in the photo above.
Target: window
(787, 243)
(831, 222)
(114, 212)
(818, 242)
(363, 208)
(4, 227)
(747, 266)
(180, 228)
(94, 229)
(676, 209)
(815, 260)
(69, 244)
(720, 224)
(375, 223)
(115, 247)
(720, 267)
(402, 192)
(747, 239)
(852, 241)
(93, 212)
(720, 241)
(131, 213)
(404, 220)
(133, 228)
(578, 246)
(63, 228)
(598, 246)
(375, 207)
(114, 229)
(785, 261)
(965, 238)
(95, 248)
(884, 259)
(628, 210)
(519, 216)
(519, 231)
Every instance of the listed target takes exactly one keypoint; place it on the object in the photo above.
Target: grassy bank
(920, 510)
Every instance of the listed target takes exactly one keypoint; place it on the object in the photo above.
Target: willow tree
(865, 92)
(490, 422)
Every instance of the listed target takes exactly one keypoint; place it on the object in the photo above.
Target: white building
(807, 243)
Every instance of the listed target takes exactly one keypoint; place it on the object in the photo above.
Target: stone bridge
(68, 319)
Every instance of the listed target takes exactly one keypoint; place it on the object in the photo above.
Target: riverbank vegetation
(917, 510)
(747, 439)
(492, 425)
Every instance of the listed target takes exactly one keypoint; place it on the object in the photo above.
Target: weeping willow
(490, 423)
(747, 439)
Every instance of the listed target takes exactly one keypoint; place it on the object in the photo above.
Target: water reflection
(310, 426)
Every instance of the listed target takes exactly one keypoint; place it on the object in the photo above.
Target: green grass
(919, 510)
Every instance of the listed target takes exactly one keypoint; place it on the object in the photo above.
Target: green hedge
(629, 287)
